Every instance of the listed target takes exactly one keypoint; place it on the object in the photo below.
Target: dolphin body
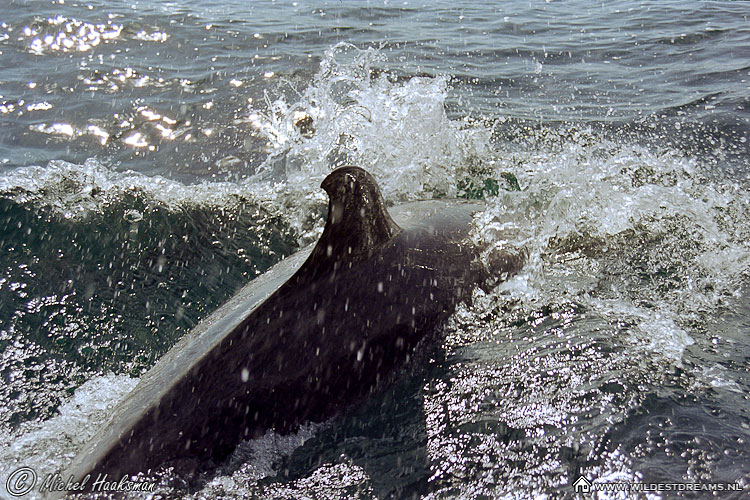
(304, 340)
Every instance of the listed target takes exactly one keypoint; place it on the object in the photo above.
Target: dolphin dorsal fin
(358, 222)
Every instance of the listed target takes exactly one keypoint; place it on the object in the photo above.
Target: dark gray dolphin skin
(301, 342)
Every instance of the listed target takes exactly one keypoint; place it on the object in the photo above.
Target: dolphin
(304, 340)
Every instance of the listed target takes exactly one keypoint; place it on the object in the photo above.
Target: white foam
(399, 131)
(47, 447)
(255, 459)
(76, 190)
(648, 236)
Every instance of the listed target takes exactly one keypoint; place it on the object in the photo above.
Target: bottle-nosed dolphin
(305, 339)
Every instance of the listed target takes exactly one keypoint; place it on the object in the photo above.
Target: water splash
(45, 445)
(622, 229)
(78, 191)
(354, 114)
(632, 252)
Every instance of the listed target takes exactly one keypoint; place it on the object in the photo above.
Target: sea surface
(156, 156)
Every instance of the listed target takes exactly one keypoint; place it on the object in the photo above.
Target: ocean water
(156, 156)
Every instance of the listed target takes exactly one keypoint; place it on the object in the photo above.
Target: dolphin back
(301, 342)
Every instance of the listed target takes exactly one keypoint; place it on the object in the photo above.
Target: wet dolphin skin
(303, 341)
